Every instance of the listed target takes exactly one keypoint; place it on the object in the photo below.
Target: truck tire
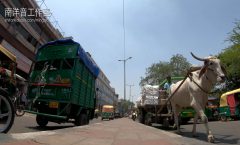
(184, 121)
(223, 117)
(88, 119)
(166, 123)
(82, 119)
(41, 120)
(142, 116)
(7, 114)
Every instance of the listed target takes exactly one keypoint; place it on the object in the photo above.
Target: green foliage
(157, 72)
(230, 59)
(235, 34)
(179, 65)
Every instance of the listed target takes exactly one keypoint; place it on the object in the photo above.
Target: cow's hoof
(211, 138)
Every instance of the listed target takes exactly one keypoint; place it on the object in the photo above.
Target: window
(2, 9)
(40, 65)
(35, 26)
(38, 45)
(17, 3)
(23, 32)
(68, 63)
(55, 64)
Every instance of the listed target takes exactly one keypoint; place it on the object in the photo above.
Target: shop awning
(8, 53)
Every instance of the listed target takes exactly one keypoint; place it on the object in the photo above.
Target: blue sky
(155, 31)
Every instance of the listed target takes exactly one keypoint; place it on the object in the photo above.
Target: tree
(235, 34)
(230, 59)
(157, 72)
(179, 64)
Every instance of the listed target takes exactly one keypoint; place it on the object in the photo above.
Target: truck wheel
(87, 120)
(142, 116)
(81, 120)
(41, 120)
(6, 114)
(166, 123)
(223, 118)
(148, 121)
(184, 121)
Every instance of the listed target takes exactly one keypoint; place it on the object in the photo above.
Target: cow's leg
(204, 119)
(176, 112)
(194, 125)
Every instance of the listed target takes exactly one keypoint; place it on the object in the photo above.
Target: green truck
(62, 84)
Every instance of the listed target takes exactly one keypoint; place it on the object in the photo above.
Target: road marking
(31, 135)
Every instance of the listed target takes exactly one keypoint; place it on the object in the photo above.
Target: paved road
(27, 123)
(225, 132)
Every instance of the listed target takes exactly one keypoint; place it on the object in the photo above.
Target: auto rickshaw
(229, 105)
(107, 112)
(212, 109)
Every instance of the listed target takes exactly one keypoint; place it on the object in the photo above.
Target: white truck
(149, 104)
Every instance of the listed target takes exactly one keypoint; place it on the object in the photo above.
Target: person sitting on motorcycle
(134, 115)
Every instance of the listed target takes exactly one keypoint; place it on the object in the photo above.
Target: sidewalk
(116, 132)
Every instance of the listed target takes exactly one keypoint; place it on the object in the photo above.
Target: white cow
(194, 91)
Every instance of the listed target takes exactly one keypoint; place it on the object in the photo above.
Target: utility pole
(130, 93)
(124, 74)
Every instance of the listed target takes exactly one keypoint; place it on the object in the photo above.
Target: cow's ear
(203, 69)
(224, 70)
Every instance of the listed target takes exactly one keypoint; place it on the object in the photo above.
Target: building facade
(21, 36)
(106, 94)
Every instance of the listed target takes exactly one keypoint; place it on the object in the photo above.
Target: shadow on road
(226, 139)
(219, 139)
(199, 136)
(38, 128)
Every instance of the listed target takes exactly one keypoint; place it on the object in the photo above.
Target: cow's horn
(201, 59)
